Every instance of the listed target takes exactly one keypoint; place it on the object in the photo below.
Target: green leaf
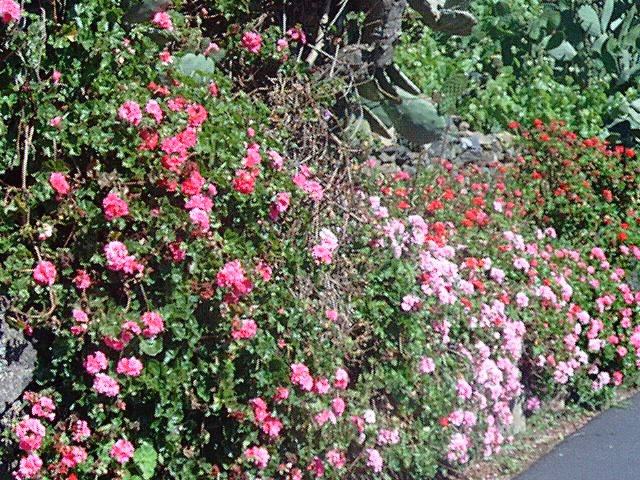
(146, 459)
(607, 11)
(564, 52)
(589, 20)
(196, 66)
(151, 347)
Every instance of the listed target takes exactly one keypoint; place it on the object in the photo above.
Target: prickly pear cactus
(387, 100)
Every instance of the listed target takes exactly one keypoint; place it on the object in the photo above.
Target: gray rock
(17, 362)
(519, 424)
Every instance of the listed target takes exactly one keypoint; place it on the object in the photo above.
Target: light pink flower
(82, 280)
(282, 393)
(272, 426)
(374, 460)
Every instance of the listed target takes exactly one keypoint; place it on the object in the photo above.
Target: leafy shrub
(207, 305)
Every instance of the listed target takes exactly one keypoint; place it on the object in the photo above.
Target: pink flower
(296, 34)
(193, 184)
(280, 205)
(72, 456)
(177, 252)
(31, 464)
(154, 324)
(282, 44)
(342, 379)
(59, 183)
(244, 329)
(322, 386)
(388, 437)
(374, 460)
(44, 408)
(264, 271)
(336, 458)
(153, 109)
(30, 432)
(232, 276)
(56, 121)
(411, 303)
(252, 41)
(9, 11)
(55, 76)
(129, 366)
(325, 416)
(323, 252)
(338, 405)
(272, 426)
(331, 315)
(260, 410)
(316, 466)
(276, 160)
(82, 280)
(426, 365)
(118, 258)
(96, 363)
(464, 390)
(130, 112)
(162, 20)
(244, 181)
(45, 273)
(81, 431)
(197, 114)
(300, 376)
(199, 201)
(213, 89)
(165, 57)
(114, 207)
(122, 451)
(106, 385)
(258, 455)
(201, 219)
(282, 393)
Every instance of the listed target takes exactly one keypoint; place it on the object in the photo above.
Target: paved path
(607, 448)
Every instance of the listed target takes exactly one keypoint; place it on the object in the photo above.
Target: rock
(17, 362)
(519, 424)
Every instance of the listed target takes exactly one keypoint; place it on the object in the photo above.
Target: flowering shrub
(205, 310)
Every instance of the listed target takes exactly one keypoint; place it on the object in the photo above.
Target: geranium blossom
(130, 112)
(9, 11)
(45, 273)
(122, 451)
